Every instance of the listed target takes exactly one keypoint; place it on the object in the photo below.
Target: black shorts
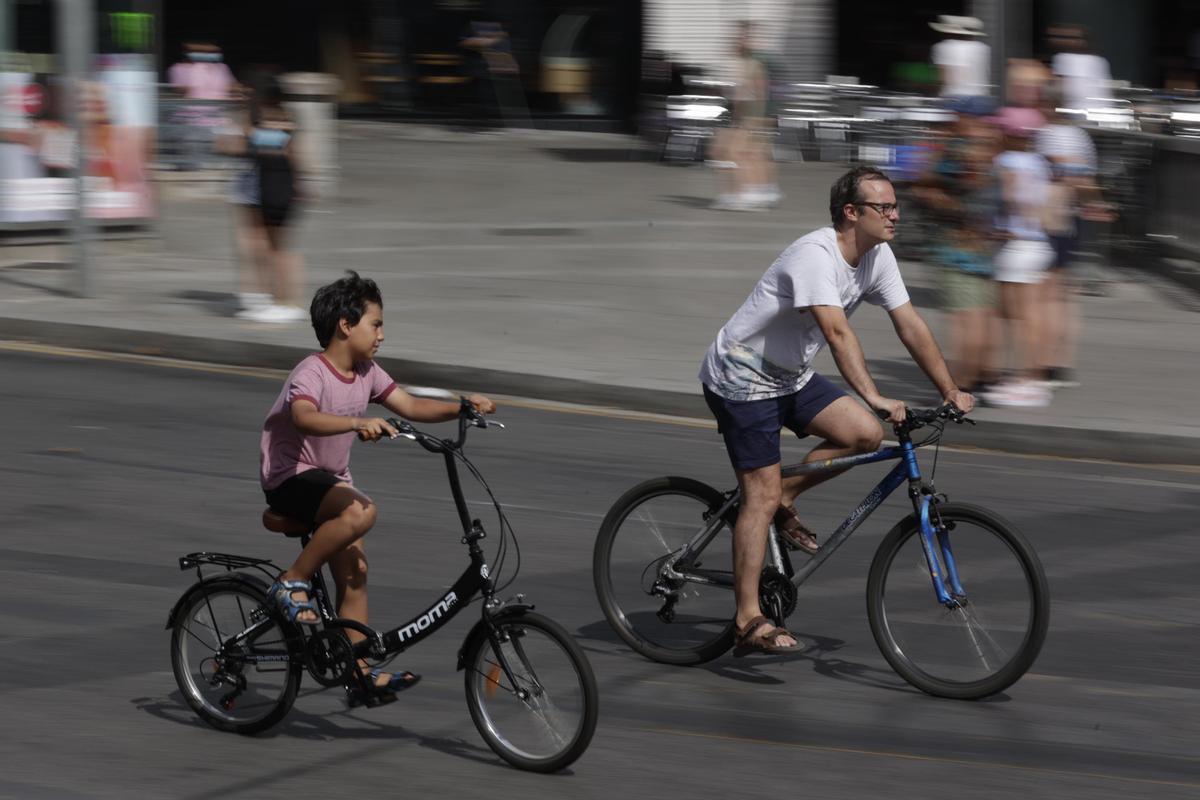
(751, 428)
(300, 496)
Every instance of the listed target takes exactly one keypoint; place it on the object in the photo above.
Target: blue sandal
(281, 595)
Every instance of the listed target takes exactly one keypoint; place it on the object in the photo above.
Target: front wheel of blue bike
(988, 633)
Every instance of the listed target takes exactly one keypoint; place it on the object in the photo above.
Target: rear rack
(230, 562)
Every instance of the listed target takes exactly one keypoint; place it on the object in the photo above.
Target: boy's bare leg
(349, 568)
(847, 428)
(344, 516)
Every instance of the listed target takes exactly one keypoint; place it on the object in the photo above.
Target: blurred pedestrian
(1075, 197)
(202, 74)
(963, 197)
(741, 150)
(493, 69)
(1086, 80)
(250, 236)
(203, 77)
(272, 144)
(1021, 263)
(962, 58)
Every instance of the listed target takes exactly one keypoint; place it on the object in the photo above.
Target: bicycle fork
(939, 556)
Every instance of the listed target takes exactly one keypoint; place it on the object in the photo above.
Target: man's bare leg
(760, 498)
(846, 428)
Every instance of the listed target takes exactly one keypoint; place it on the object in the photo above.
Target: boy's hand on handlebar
(483, 405)
(963, 401)
(892, 411)
(372, 429)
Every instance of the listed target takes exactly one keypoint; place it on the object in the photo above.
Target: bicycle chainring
(776, 595)
(329, 657)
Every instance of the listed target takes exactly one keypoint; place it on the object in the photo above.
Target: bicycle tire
(993, 640)
(197, 620)
(700, 636)
(525, 731)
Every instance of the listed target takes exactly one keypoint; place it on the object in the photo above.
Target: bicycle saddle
(274, 521)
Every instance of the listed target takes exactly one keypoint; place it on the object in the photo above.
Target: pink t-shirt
(284, 451)
(201, 81)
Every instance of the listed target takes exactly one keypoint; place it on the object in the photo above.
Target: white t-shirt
(766, 347)
(1030, 192)
(965, 66)
(1085, 79)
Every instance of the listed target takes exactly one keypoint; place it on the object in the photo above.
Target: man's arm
(848, 355)
(919, 341)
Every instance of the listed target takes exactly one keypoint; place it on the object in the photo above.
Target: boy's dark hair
(345, 298)
(845, 190)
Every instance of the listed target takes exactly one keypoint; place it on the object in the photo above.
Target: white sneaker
(768, 196)
(1018, 395)
(248, 301)
(737, 202)
(273, 314)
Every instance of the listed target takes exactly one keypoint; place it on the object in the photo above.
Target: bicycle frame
(476, 578)
(934, 540)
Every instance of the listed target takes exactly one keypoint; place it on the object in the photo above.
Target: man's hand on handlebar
(963, 401)
(372, 429)
(890, 410)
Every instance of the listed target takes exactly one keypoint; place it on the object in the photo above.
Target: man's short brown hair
(845, 190)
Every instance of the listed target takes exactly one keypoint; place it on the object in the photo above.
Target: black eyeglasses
(884, 209)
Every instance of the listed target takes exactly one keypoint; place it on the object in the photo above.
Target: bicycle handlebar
(468, 417)
(920, 417)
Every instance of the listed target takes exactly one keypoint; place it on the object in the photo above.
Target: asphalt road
(113, 470)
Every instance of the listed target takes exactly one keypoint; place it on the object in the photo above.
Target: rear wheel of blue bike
(676, 617)
(531, 692)
(986, 637)
(236, 664)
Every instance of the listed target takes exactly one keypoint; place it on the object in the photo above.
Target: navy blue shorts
(751, 428)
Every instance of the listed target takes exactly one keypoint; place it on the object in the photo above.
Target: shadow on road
(222, 304)
(687, 200)
(598, 155)
(323, 728)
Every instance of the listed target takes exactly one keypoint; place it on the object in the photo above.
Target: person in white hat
(962, 58)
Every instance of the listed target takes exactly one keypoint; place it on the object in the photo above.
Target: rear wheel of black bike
(663, 617)
(531, 692)
(985, 641)
(234, 682)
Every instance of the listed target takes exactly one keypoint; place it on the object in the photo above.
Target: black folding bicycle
(238, 661)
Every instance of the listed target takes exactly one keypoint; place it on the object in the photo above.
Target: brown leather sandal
(795, 533)
(749, 640)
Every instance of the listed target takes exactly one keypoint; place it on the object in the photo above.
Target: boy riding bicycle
(305, 453)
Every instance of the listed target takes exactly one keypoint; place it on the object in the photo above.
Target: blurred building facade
(578, 60)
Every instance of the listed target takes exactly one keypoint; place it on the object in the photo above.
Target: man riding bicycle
(758, 378)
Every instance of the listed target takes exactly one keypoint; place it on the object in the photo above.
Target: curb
(1007, 437)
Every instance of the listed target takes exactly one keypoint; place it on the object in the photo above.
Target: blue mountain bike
(956, 597)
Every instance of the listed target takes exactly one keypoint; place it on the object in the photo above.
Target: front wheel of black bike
(531, 692)
(985, 639)
(671, 617)
(234, 660)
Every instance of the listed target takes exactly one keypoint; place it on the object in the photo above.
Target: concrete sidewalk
(564, 267)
